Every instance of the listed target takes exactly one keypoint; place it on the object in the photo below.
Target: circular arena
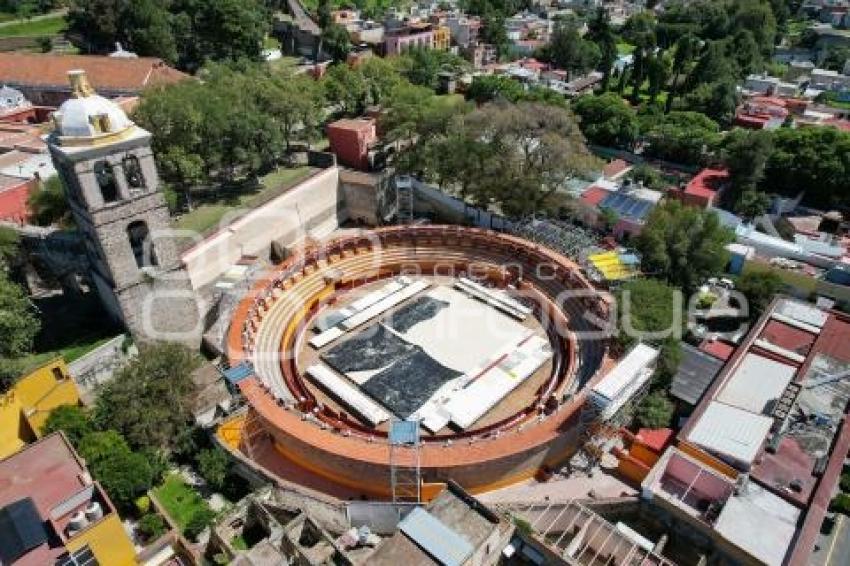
(469, 332)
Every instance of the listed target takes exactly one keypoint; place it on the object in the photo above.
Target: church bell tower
(111, 184)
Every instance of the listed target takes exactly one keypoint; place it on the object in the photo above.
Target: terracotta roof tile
(105, 73)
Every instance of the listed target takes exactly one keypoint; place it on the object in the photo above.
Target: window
(106, 181)
(100, 123)
(133, 172)
(57, 374)
(141, 244)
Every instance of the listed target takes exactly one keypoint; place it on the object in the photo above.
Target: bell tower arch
(112, 187)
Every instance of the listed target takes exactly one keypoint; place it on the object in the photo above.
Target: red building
(350, 141)
(702, 190)
(14, 192)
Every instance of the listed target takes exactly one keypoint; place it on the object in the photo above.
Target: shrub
(655, 410)
(841, 504)
(152, 526)
(143, 505)
(198, 523)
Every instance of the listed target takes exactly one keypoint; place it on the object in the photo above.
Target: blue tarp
(237, 373)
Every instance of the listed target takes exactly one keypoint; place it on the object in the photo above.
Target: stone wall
(311, 209)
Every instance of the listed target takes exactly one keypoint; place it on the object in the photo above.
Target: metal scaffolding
(405, 461)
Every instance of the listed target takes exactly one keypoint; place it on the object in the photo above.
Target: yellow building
(26, 406)
(442, 38)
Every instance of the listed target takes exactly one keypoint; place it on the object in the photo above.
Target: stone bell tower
(111, 184)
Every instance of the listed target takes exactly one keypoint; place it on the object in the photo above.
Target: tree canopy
(148, 401)
(513, 156)
(186, 33)
(607, 120)
(684, 245)
(681, 137)
(124, 474)
(19, 323)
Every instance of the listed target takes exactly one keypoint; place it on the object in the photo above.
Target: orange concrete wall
(707, 459)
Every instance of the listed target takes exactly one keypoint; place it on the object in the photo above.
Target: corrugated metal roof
(696, 373)
(443, 544)
(731, 432)
(807, 314)
(756, 383)
(626, 371)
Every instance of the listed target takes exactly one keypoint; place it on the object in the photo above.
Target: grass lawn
(180, 500)
(794, 279)
(624, 48)
(209, 215)
(39, 27)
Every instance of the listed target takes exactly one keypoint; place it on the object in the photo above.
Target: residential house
(43, 78)
(52, 512)
(399, 40)
(704, 189)
(351, 139)
(24, 408)
(464, 30)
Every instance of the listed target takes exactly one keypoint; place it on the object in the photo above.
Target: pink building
(399, 41)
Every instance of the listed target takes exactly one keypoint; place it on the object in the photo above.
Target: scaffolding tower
(253, 432)
(598, 433)
(404, 192)
(405, 461)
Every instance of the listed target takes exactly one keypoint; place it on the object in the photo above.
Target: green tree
(152, 526)
(214, 466)
(336, 41)
(835, 57)
(751, 204)
(811, 159)
(10, 247)
(655, 410)
(684, 245)
(73, 420)
(686, 47)
(423, 66)
(146, 29)
(125, 476)
(682, 137)
(488, 88)
(744, 154)
(718, 100)
(568, 50)
(48, 204)
(759, 287)
(607, 120)
(346, 88)
(148, 401)
(658, 73)
(198, 522)
(599, 31)
(19, 324)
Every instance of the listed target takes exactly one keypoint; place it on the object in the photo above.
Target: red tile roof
(718, 349)
(788, 337)
(614, 168)
(707, 183)
(594, 195)
(104, 73)
(48, 471)
(655, 438)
